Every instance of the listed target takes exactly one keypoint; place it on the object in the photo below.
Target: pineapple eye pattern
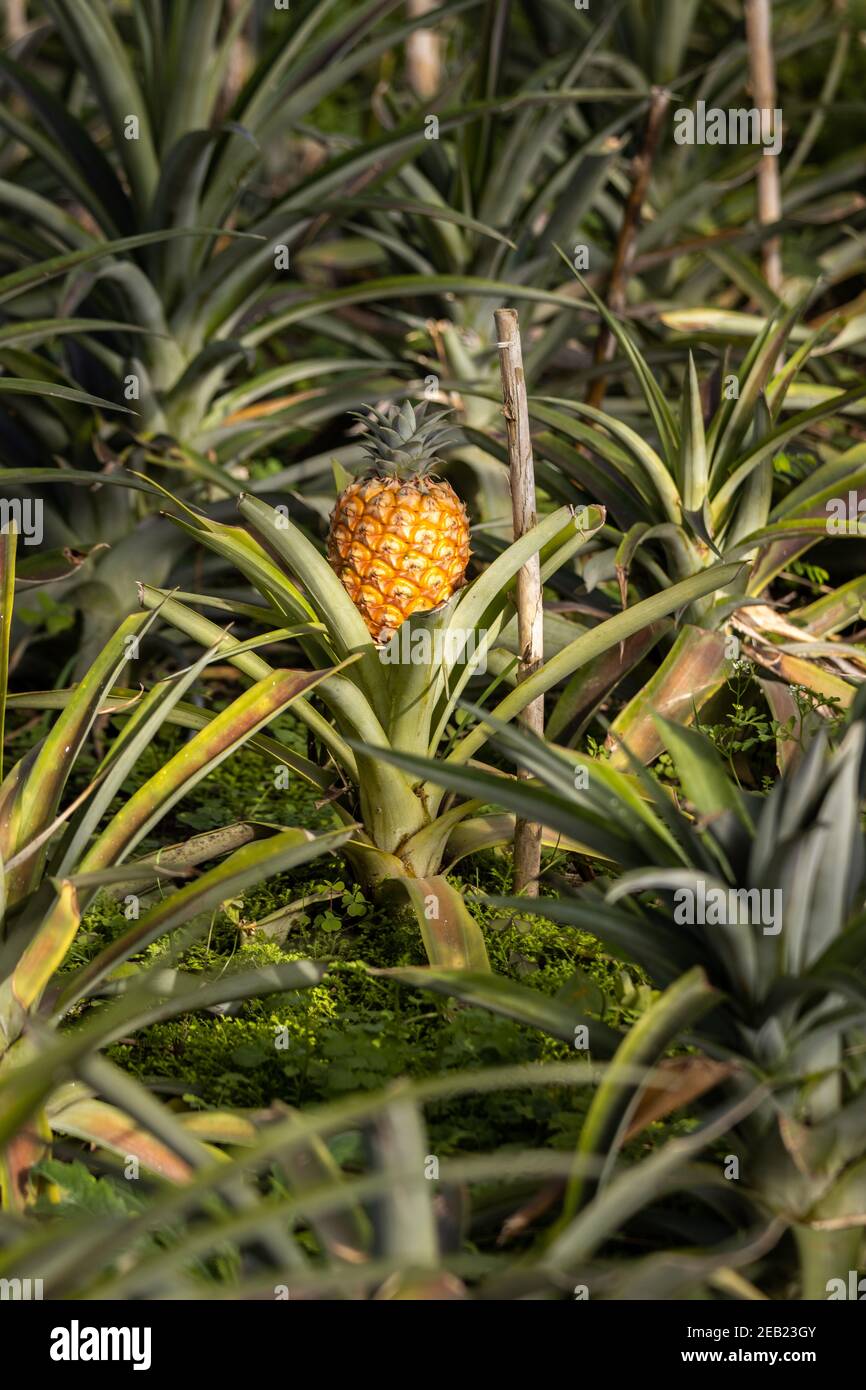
(399, 538)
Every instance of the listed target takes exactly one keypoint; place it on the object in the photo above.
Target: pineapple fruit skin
(398, 547)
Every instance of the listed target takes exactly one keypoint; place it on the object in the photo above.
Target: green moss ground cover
(354, 1031)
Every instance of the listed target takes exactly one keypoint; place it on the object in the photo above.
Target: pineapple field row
(432, 656)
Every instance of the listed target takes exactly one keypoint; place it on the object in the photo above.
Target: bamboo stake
(641, 168)
(16, 20)
(762, 79)
(240, 63)
(530, 618)
(423, 56)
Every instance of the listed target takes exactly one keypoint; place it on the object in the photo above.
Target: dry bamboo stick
(641, 169)
(423, 53)
(240, 64)
(16, 20)
(530, 618)
(762, 77)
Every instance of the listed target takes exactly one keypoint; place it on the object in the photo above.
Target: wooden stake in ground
(762, 75)
(641, 169)
(16, 20)
(530, 619)
(423, 54)
(240, 62)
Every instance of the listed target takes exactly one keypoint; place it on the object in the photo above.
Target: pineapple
(399, 538)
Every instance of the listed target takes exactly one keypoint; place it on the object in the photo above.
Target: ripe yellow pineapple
(399, 538)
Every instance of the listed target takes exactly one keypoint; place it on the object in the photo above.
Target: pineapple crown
(404, 441)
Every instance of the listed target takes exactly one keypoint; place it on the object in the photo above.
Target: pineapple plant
(685, 486)
(165, 256)
(770, 988)
(405, 830)
(59, 849)
(399, 537)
